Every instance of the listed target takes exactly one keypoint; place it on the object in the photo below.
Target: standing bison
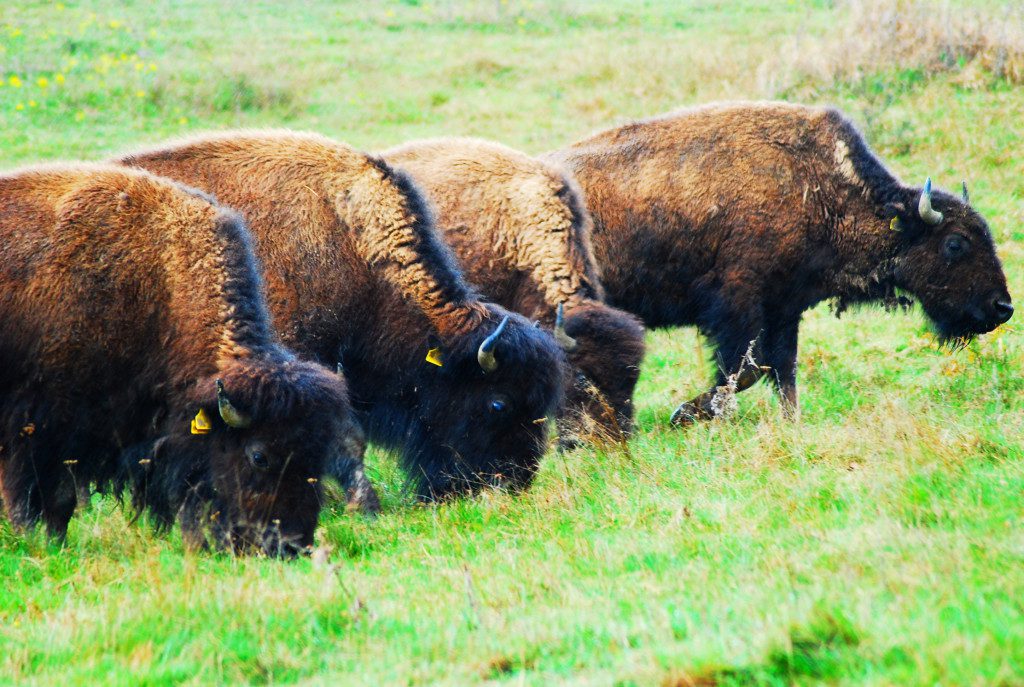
(738, 217)
(522, 234)
(136, 351)
(357, 274)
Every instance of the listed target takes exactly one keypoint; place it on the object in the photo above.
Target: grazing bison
(521, 233)
(136, 352)
(357, 273)
(738, 217)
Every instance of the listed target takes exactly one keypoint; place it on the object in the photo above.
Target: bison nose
(1003, 309)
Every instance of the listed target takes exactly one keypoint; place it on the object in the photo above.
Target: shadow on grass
(825, 649)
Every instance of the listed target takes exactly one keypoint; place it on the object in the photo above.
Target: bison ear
(893, 213)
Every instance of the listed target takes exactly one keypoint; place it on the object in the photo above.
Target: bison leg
(737, 355)
(347, 468)
(780, 354)
(59, 502)
(36, 489)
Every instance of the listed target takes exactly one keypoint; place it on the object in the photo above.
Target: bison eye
(498, 405)
(955, 246)
(259, 460)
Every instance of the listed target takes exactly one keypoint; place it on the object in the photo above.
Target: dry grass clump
(983, 44)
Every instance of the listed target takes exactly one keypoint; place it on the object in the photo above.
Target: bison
(738, 217)
(522, 235)
(357, 274)
(136, 352)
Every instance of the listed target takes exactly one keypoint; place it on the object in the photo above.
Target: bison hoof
(687, 414)
(363, 499)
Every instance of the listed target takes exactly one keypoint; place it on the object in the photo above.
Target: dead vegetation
(980, 45)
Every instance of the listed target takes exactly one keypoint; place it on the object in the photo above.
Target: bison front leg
(737, 354)
(780, 349)
(35, 487)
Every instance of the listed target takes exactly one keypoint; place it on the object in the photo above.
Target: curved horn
(564, 340)
(231, 416)
(924, 206)
(963, 193)
(339, 370)
(485, 354)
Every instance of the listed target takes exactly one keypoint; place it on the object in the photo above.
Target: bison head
(479, 407)
(604, 347)
(248, 468)
(948, 261)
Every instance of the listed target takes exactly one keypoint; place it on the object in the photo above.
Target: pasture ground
(878, 540)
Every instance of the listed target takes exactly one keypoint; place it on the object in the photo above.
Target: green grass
(878, 540)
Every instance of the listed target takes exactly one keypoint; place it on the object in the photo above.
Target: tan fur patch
(845, 164)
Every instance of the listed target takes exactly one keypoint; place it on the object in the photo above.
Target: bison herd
(212, 326)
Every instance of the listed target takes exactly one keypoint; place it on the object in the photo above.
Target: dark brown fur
(122, 298)
(356, 272)
(520, 231)
(737, 217)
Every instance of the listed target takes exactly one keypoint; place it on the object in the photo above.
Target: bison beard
(357, 274)
(738, 217)
(521, 232)
(124, 302)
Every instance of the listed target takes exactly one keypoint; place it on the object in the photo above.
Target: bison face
(263, 444)
(475, 427)
(266, 482)
(950, 265)
(604, 347)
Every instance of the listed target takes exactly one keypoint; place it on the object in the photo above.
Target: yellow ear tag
(201, 423)
(434, 357)
(894, 223)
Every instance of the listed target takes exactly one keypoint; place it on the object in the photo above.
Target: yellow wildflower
(115, 24)
(183, 120)
(79, 116)
(31, 103)
(59, 78)
(19, 106)
(140, 94)
(42, 82)
(15, 81)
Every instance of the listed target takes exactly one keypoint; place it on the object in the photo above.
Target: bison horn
(485, 354)
(231, 415)
(964, 194)
(924, 206)
(564, 340)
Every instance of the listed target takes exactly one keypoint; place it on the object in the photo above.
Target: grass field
(878, 540)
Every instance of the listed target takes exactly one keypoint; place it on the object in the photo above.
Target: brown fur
(737, 217)
(122, 297)
(357, 272)
(520, 231)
